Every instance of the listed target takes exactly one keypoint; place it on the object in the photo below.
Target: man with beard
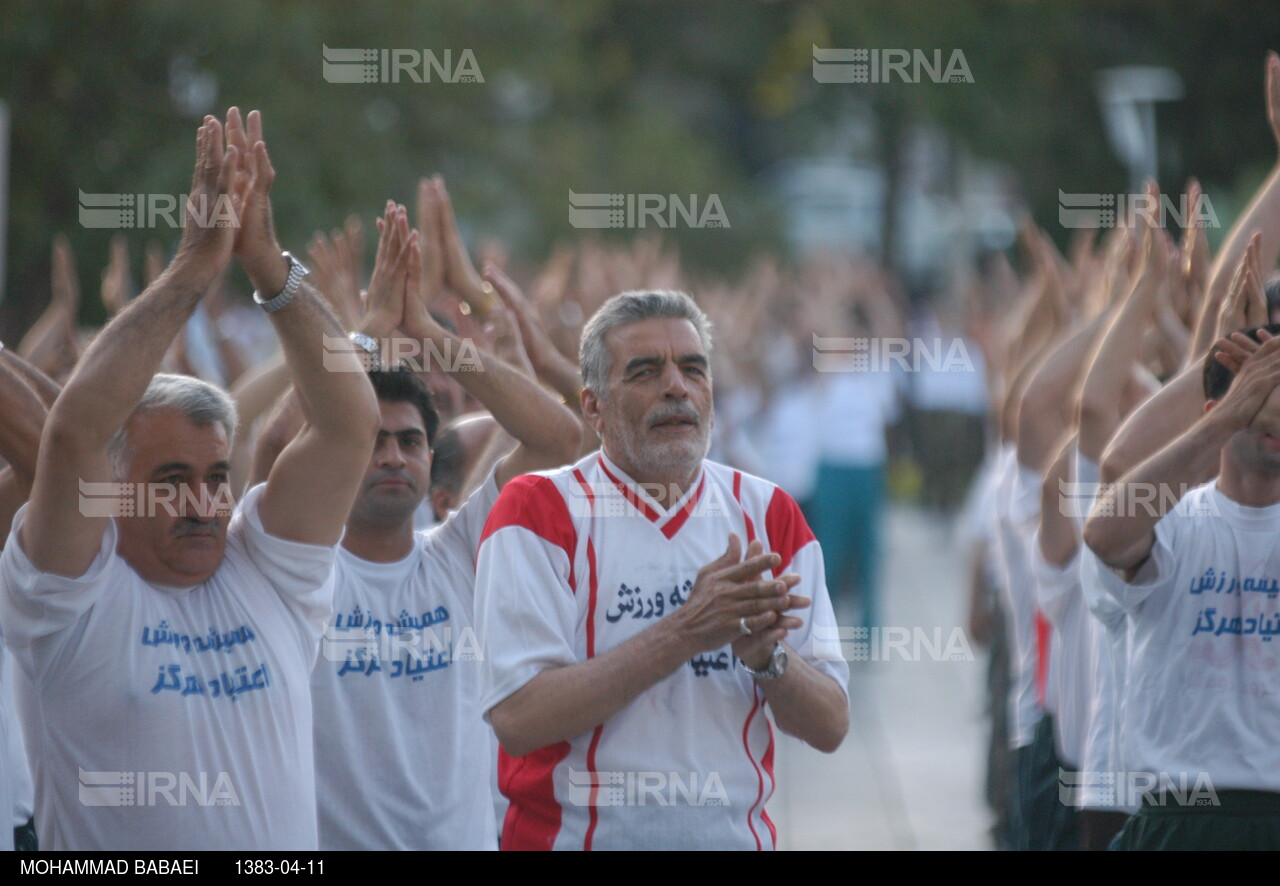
(631, 642)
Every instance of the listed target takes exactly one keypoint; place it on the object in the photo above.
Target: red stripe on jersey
(746, 744)
(1043, 630)
(767, 763)
(593, 585)
(630, 495)
(673, 525)
(786, 528)
(535, 504)
(593, 809)
(533, 818)
(737, 495)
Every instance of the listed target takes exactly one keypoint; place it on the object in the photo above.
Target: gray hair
(594, 355)
(199, 401)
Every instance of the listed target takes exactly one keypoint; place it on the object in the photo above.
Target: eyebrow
(639, 362)
(404, 432)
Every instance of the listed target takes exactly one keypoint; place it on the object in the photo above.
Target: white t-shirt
(1017, 512)
(165, 719)
(10, 773)
(404, 759)
(579, 560)
(789, 434)
(854, 408)
(19, 770)
(1203, 689)
(1102, 779)
(1075, 647)
(1072, 651)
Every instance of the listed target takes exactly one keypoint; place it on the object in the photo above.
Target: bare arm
(23, 421)
(1059, 537)
(548, 433)
(113, 374)
(1102, 394)
(1045, 411)
(253, 393)
(1177, 405)
(313, 483)
(1121, 534)
(41, 385)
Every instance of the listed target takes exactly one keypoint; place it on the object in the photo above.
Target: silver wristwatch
(297, 270)
(776, 668)
(368, 344)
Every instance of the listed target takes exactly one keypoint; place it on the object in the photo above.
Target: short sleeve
(817, 640)
(464, 528)
(298, 572)
(1157, 573)
(526, 611)
(36, 606)
(1057, 587)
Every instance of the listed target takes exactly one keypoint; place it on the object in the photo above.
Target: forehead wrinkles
(658, 339)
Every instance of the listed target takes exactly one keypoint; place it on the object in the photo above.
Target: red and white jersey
(577, 561)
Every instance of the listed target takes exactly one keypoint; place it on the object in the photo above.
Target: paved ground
(910, 773)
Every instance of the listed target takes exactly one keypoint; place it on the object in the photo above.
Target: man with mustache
(165, 644)
(632, 637)
(404, 759)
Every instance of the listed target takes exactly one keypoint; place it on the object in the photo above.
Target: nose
(206, 502)
(674, 384)
(389, 454)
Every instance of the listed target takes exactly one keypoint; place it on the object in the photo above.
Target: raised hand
(1245, 304)
(1233, 350)
(116, 284)
(384, 301)
(336, 269)
(256, 247)
(64, 283)
(1195, 248)
(432, 284)
(459, 272)
(1253, 386)
(208, 238)
(152, 263)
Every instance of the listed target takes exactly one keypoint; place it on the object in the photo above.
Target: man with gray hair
(631, 642)
(165, 644)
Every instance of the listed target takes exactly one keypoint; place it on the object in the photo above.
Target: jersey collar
(667, 520)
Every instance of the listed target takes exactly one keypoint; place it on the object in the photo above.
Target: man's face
(656, 415)
(399, 472)
(180, 536)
